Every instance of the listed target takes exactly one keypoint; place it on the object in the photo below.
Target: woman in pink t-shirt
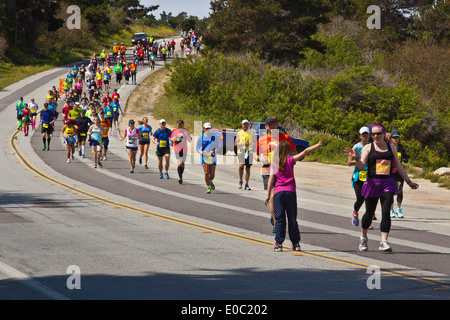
(285, 195)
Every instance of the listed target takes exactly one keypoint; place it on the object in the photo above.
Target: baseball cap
(162, 120)
(364, 130)
(207, 125)
(270, 119)
(245, 121)
(395, 133)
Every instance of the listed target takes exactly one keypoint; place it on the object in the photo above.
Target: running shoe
(213, 187)
(79, 153)
(140, 160)
(296, 247)
(68, 160)
(247, 187)
(161, 176)
(44, 148)
(105, 157)
(400, 213)
(277, 247)
(146, 167)
(384, 246)
(240, 184)
(392, 214)
(83, 156)
(208, 190)
(100, 164)
(355, 219)
(180, 181)
(363, 245)
(48, 148)
(166, 176)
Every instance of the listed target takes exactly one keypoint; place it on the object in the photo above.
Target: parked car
(140, 36)
(229, 136)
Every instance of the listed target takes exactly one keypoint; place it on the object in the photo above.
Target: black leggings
(357, 185)
(371, 205)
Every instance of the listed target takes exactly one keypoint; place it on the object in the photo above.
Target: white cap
(162, 120)
(363, 130)
(207, 125)
(245, 121)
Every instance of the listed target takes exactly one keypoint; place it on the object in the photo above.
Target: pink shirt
(285, 177)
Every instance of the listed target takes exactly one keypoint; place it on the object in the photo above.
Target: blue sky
(199, 8)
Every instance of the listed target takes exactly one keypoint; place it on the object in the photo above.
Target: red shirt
(183, 136)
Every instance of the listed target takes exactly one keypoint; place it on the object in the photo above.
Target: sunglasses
(376, 134)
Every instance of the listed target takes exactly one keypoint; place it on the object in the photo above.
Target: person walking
(265, 148)
(161, 138)
(285, 194)
(403, 157)
(179, 138)
(244, 144)
(132, 135)
(207, 144)
(358, 176)
(380, 158)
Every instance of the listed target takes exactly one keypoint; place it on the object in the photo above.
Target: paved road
(134, 236)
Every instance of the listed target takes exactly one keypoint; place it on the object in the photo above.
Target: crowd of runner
(90, 113)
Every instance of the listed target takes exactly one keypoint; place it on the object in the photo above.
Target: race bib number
(33, 110)
(82, 134)
(108, 113)
(362, 175)
(162, 143)
(383, 167)
(144, 135)
(207, 158)
(45, 125)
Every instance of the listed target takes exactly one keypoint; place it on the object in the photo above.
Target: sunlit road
(133, 236)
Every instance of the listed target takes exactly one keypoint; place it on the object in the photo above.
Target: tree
(275, 30)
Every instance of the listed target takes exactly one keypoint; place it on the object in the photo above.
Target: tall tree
(274, 29)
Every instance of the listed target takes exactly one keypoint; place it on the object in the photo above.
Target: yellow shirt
(243, 137)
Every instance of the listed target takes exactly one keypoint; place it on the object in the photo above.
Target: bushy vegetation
(228, 88)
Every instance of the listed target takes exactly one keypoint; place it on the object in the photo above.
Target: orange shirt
(267, 144)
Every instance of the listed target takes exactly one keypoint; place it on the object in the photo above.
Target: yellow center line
(209, 229)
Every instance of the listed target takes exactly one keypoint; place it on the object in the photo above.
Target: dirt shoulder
(144, 99)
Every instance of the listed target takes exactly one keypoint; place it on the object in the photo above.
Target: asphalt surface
(134, 236)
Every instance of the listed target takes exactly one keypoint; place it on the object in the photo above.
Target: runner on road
(162, 141)
(244, 144)
(207, 144)
(381, 158)
(358, 176)
(132, 135)
(47, 120)
(179, 139)
(19, 107)
(83, 124)
(95, 137)
(144, 143)
(69, 132)
(33, 112)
